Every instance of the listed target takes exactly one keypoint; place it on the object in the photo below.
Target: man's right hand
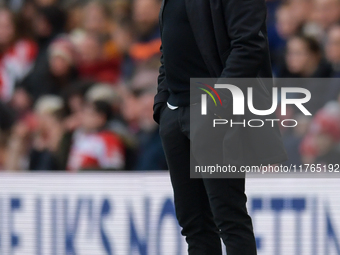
(157, 111)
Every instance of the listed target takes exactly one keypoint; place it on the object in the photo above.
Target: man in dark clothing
(220, 39)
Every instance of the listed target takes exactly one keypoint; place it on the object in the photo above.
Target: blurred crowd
(78, 77)
(77, 82)
(304, 40)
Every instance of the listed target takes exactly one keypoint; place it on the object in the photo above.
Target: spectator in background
(129, 108)
(19, 143)
(93, 64)
(48, 134)
(48, 24)
(150, 154)
(16, 54)
(326, 13)
(112, 95)
(302, 10)
(287, 24)
(62, 62)
(324, 135)
(293, 139)
(25, 15)
(123, 35)
(43, 3)
(75, 15)
(145, 15)
(307, 150)
(74, 99)
(98, 22)
(332, 50)
(107, 93)
(96, 19)
(94, 147)
(6, 122)
(323, 14)
(304, 59)
(21, 104)
(3, 151)
(121, 9)
(7, 118)
(61, 70)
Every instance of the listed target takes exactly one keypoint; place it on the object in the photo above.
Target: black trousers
(206, 209)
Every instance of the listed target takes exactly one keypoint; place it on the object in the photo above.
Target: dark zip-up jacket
(232, 38)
